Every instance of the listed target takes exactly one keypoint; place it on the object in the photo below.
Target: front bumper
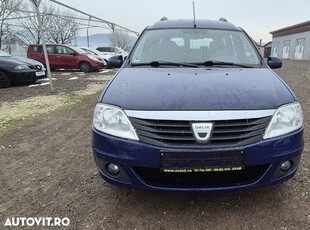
(25, 75)
(96, 65)
(139, 164)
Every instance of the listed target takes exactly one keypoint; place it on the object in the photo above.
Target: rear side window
(106, 49)
(37, 49)
(103, 49)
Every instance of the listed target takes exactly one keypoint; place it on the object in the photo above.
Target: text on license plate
(201, 162)
(41, 73)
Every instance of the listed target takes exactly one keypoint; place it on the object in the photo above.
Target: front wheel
(85, 67)
(4, 80)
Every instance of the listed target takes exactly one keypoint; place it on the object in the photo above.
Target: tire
(85, 66)
(4, 80)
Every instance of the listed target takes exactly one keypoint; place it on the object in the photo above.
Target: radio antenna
(194, 14)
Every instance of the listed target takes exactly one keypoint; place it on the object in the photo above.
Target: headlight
(286, 119)
(92, 58)
(20, 67)
(112, 120)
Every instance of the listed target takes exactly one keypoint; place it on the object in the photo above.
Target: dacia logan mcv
(194, 107)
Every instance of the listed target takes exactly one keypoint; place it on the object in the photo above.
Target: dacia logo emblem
(202, 131)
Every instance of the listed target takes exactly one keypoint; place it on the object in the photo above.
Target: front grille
(38, 67)
(230, 178)
(171, 133)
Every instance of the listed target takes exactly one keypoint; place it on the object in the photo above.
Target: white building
(292, 42)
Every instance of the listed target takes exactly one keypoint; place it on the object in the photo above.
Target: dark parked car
(62, 56)
(194, 107)
(18, 69)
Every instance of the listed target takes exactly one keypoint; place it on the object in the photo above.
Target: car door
(51, 55)
(39, 55)
(65, 57)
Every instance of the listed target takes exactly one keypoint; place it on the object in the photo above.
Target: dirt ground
(47, 170)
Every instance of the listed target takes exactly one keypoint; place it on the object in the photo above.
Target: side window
(62, 50)
(103, 49)
(112, 49)
(38, 49)
(49, 49)
(67, 50)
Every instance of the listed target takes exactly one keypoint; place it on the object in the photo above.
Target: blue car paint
(218, 89)
(128, 154)
(134, 88)
(171, 89)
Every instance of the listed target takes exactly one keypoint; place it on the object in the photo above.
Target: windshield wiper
(221, 63)
(165, 63)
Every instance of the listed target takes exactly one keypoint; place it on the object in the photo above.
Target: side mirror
(274, 63)
(73, 53)
(115, 61)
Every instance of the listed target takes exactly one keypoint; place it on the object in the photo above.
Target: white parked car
(109, 50)
(105, 57)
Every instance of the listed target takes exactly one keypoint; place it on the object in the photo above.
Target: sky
(257, 18)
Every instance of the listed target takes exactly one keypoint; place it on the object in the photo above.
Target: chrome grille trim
(178, 133)
(200, 115)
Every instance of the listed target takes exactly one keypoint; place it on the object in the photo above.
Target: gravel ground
(47, 170)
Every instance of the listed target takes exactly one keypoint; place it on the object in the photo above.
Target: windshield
(90, 51)
(195, 46)
(4, 54)
(78, 50)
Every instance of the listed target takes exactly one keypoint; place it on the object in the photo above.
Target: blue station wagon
(194, 107)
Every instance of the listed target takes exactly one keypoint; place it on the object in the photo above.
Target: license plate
(41, 73)
(201, 161)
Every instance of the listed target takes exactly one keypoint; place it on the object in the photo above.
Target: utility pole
(36, 4)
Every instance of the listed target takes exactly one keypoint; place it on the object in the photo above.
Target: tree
(31, 31)
(121, 39)
(59, 26)
(7, 8)
(63, 28)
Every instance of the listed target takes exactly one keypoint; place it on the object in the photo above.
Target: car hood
(197, 89)
(19, 60)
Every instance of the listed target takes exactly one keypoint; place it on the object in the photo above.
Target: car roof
(64, 45)
(200, 24)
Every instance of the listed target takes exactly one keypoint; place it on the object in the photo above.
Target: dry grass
(17, 112)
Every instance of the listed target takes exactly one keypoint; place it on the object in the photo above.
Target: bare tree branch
(7, 8)
(121, 39)
(31, 30)
(58, 29)
(63, 29)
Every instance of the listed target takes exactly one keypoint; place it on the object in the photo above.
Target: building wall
(284, 47)
(16, 49)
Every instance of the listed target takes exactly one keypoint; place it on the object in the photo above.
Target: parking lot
(47, 168)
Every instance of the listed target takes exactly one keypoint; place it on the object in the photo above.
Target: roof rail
(223, 20)
(164, 19)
